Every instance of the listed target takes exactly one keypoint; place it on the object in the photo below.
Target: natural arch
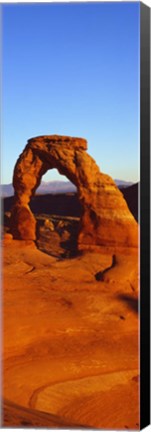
(106, 219)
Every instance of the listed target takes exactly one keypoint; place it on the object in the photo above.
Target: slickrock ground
(70, 342)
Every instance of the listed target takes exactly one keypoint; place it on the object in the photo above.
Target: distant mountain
(6, 190)
(67, 204)
(54, 187)
(122, 183)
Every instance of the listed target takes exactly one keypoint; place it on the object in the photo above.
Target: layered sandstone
(70, 341)
(106, 219)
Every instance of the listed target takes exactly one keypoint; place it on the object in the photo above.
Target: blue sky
(72, 69)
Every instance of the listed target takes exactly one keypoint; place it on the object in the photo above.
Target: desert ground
(70, 330)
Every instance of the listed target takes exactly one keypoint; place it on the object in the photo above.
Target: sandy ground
(70, 341)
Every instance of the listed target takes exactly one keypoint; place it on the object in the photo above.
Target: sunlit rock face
(106, 219)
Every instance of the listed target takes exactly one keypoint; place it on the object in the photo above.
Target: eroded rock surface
(70, 342)
(106, 219)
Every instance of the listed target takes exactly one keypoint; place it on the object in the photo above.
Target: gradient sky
(72, 69)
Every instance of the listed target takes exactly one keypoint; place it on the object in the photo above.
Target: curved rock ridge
(106, 219)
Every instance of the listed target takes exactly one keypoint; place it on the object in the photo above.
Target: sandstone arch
(106, 219)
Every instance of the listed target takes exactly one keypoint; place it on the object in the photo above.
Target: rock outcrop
(106, 219)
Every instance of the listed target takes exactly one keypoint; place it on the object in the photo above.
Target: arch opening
(57, 211)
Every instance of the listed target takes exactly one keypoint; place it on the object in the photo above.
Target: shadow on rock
(130, 301)
(100, 275)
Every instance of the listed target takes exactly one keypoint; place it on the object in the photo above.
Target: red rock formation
(106, 219)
